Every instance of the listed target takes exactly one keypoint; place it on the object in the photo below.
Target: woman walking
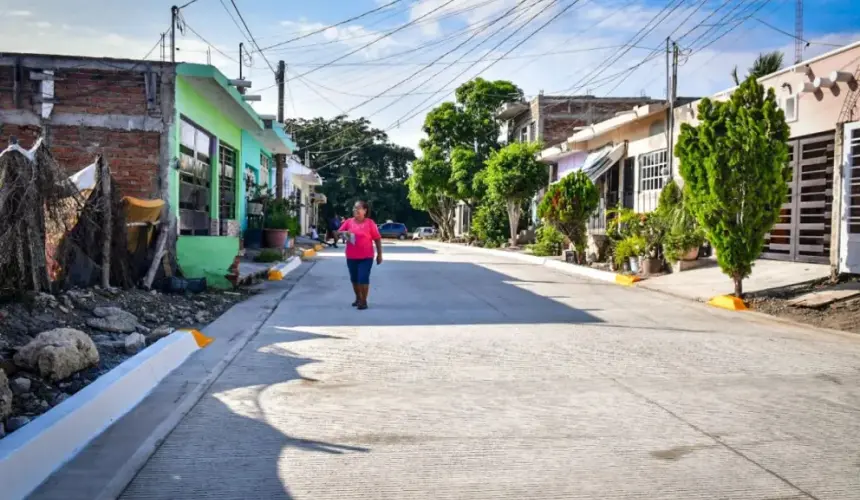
(361, 233)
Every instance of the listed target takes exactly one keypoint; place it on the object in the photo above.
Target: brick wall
(100, 92)
(132, 155)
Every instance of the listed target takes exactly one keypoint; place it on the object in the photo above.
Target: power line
(808, 42)
(354, 18)
(402, 27)
(406, 118)
(207, 42)
(192, 2)
(239, 13)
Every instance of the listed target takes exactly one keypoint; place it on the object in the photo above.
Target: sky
(413, 53)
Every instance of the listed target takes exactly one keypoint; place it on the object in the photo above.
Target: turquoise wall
(251, 151)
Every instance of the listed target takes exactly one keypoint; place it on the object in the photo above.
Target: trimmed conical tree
(735, 170)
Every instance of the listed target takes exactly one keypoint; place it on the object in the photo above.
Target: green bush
(681, 231)
(631, 246)
(549, 242)
(269, 255)
(490, 223)
(567, 205)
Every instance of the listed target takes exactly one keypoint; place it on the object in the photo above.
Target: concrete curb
(31, 454)
(127, 472)
(280, 271)
(597, 274)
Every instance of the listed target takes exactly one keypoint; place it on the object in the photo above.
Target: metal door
(849, 248)
(802, 233)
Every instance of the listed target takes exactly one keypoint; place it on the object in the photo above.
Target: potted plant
(683, 234)
(628, 251)
(278, 222)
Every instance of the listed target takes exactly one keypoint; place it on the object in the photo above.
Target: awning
(601, 160)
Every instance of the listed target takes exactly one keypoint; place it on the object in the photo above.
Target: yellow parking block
(202, 340)
(623, 279)
(318, 247)
(307, 254)
(729, 302)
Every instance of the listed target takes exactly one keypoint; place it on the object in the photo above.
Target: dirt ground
(156, 313)
(841, 315)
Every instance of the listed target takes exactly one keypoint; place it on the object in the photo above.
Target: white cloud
(41, 24)
(19, 13)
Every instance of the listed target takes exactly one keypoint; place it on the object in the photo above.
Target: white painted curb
(31, 454)
(280, 271)
(558, 265)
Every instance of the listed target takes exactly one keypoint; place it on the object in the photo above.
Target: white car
(424, 232)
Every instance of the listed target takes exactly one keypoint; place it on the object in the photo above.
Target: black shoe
(355, 304)
(362, 307)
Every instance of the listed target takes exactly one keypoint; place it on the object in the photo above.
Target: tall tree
(375, 171)
(463, 134)
(431, 189)
(735, 169)
(514, 175)
(764, 64)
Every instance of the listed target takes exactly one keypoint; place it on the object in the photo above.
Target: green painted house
(223, 148)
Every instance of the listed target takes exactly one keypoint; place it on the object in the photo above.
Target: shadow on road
(232, 445)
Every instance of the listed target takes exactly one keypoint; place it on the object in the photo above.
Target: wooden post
(104, 180)
(159, 252)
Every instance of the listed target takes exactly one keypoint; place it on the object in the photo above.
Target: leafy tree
(567, 206)
(764, 64)
(375, 171)
(735, 169)
(431, 189)
(514, 175)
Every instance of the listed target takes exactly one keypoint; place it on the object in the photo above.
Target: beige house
(627, 157)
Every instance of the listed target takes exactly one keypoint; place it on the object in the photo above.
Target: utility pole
(241, 63)
(280, 159)
(673, 94)
(174, 13)
(163, 40)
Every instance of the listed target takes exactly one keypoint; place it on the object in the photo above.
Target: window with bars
(227, 181)
(651, 167)
(195, 177)
(532, 132)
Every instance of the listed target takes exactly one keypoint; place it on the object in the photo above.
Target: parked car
(423, 233)
(393, 230)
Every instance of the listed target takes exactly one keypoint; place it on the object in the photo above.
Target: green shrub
(490, 223)
(269, 255)
(631, 246)
(549, 242)
(567, 205)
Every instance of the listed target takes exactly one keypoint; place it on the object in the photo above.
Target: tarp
(138, 210)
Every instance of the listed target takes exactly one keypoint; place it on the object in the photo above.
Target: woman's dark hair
(364, 205)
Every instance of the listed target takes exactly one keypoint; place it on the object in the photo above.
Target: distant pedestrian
(362, 234)
(333, 226)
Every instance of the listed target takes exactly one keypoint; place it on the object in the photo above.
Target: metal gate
(803, 232)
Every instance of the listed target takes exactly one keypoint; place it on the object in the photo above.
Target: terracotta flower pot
(692, 254)
(276, 238)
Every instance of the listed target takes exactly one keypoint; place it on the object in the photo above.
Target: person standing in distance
(361, 235)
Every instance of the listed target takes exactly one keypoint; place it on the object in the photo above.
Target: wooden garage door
(803, 232)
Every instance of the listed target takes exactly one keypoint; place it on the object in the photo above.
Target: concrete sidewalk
(704, 283)
(108, 463)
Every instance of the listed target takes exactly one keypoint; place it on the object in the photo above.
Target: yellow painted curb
(202, 340)
(729, 302)
(307, 254)
(275, 274)
(318, 247)
(623, 279)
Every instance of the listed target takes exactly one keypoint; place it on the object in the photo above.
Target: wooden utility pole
(280, 159)
(107, 210)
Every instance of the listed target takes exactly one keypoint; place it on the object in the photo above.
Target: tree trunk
(739, 287)
(514, 209)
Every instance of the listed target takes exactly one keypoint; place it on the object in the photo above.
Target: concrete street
(475, 377)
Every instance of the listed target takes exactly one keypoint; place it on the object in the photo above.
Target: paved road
(473, 377)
